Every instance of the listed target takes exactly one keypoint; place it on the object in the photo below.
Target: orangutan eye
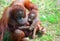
(32, 15)
(20, 14)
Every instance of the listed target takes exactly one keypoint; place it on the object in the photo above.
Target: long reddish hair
(6, 17)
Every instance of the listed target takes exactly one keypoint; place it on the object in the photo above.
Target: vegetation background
(49, 14)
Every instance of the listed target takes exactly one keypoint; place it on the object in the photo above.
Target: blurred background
(49, 14)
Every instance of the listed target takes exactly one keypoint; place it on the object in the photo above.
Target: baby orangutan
(35, 23)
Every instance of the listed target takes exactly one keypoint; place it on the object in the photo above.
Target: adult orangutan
(15, 16)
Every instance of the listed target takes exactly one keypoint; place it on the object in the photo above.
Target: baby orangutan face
(31, 16)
